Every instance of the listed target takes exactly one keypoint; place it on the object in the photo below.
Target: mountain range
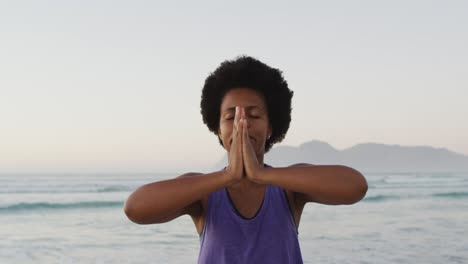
(368, 157)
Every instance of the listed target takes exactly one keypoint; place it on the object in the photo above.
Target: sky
(115, 86)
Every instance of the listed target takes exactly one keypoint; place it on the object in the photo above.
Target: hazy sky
(115, 85)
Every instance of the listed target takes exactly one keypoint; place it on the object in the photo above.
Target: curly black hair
(248, 72)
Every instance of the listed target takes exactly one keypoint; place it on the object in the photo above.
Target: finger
(243, 128)
(245, 133)
(248, 152)
(237, 118)
(238, 132)
(237, 136)
(236, 148)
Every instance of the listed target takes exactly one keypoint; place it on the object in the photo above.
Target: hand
(251, 166)
(235, 169)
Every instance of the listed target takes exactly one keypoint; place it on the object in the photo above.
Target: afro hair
(248, 72)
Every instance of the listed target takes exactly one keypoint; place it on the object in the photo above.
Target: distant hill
(369, 157)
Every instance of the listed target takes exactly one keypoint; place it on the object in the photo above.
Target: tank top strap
(279, 197)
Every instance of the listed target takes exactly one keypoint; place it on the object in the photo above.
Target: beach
(78, 218)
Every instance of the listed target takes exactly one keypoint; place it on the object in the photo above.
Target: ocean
(78, 218)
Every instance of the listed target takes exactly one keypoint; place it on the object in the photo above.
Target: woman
(247, 212)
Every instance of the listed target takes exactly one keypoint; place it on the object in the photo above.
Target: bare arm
(326, 184)
(162, 201)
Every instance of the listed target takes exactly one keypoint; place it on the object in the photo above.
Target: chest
(246, 204)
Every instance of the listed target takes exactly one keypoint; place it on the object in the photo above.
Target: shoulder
(301, 165)
(293, 165)
(190, 174)
(196, 208)
(298, 198)
(295, 200)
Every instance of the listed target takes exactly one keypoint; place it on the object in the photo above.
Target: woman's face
(255, 112)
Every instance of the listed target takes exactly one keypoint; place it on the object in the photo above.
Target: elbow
(356, 195)
(359, 189)
(132, 212)
(134, 216)
(139, 212)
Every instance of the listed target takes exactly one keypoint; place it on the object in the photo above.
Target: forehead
(243, 97)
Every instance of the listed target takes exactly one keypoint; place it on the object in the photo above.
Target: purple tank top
(270, 236)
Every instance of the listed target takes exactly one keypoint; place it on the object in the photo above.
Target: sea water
(78, 218)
